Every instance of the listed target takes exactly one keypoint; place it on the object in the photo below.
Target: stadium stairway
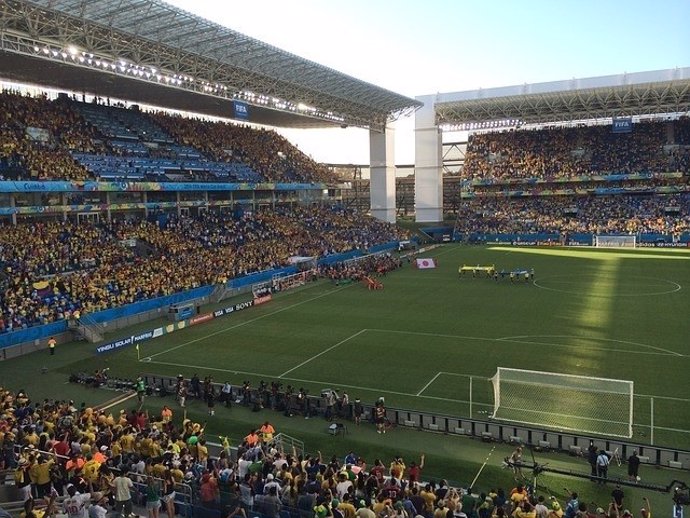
(87, 329)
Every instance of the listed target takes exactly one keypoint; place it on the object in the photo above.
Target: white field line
(662, 352)
(482, 467)
(465, 375)
(661, 349)
(430, 382)
(246, 322)
(684, 400)
(440, 335)
(369, 389)
(264, 375)
(323, 352)
(118, 402)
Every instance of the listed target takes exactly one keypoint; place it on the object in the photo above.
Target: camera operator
(303, 402)
(262, 394)
(344, 410)
(380, 416)
(287, 400)
(246, 393)
(358, 411)
(226, 394)
(195, 385)
(275, 389)
(101, 377)
(330, 398)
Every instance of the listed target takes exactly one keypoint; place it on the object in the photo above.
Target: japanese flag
(423, 264)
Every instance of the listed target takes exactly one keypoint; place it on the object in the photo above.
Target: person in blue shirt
(572, 507)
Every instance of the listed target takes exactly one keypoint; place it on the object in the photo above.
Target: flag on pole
(424, 264)
(137, 347)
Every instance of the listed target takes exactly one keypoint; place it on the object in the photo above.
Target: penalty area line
(323, 352)
(246, 322)
(315, 382)
(428, 384)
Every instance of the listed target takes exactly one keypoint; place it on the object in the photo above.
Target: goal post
(564, 401)
(617, 241)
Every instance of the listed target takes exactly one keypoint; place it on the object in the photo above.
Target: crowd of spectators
(597, 214)
(647, 184)
(57, 450)
(552, 153)
(52, 269)
(37, 137)
(265, 151)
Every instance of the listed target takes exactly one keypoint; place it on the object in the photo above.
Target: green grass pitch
(430, 335)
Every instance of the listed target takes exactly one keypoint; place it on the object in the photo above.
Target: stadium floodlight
(564, 401)
(72, 50)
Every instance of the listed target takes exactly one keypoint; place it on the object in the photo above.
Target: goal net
(564, 401)
(601, 241)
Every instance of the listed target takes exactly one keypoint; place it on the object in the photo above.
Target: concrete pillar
(13, 204)
(382, 172)
(428, 171)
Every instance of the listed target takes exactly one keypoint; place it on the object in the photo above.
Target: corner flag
(424, 264)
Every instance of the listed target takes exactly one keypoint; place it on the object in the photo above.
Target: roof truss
(154, 34)
(653, 98)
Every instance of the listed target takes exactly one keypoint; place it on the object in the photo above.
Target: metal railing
(286, 444)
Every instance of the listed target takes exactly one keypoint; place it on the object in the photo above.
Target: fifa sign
(241, 110)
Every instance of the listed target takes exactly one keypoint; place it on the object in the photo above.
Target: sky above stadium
(416, 48)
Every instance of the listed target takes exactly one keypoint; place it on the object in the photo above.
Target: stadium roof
(159, 54)
(643, 93)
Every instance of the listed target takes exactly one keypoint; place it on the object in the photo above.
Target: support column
(382, 174)
(428, 170)
(13, 204)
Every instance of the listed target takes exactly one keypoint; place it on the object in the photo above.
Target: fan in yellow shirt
(127, 443)
(90, 469)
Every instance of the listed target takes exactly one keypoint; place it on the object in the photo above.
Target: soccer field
(430, 340)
